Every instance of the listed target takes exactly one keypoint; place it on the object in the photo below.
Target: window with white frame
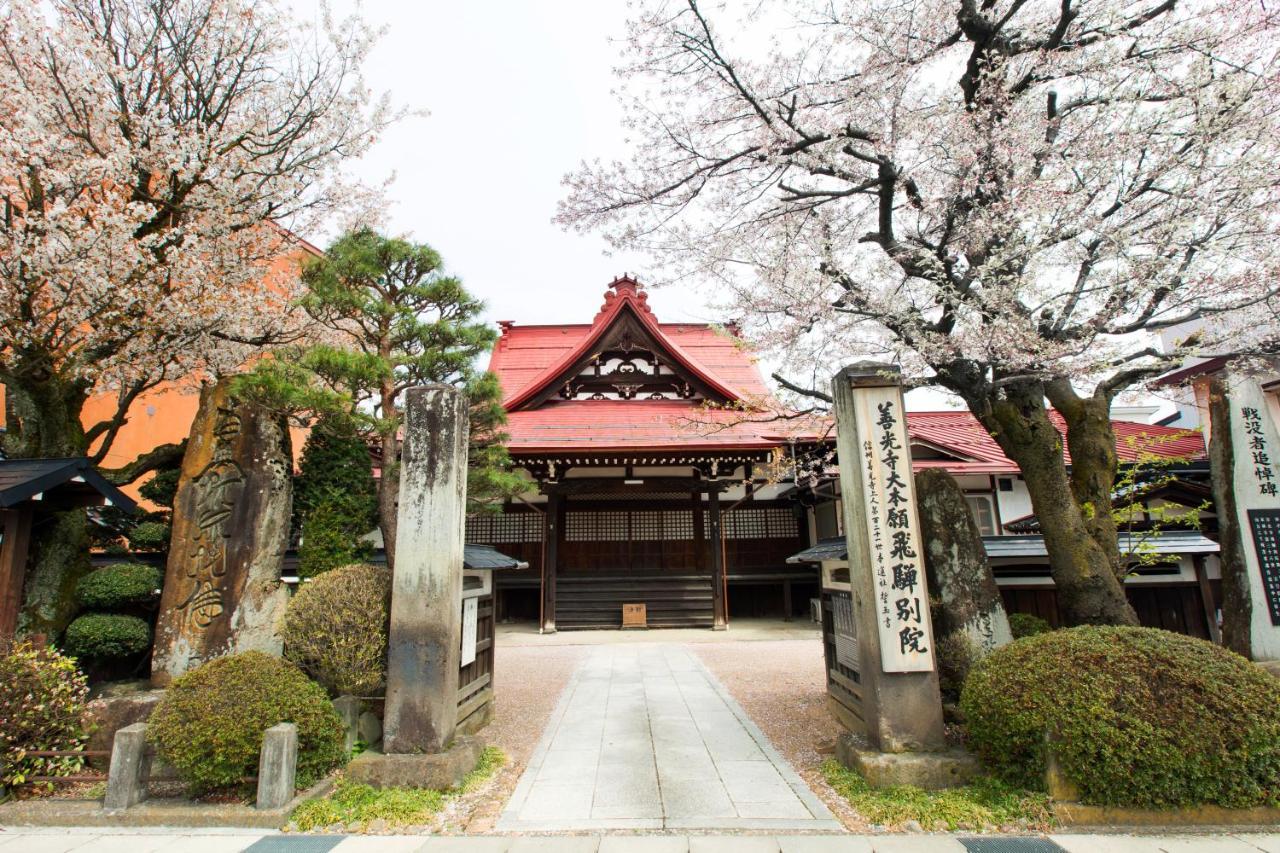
(984, 513)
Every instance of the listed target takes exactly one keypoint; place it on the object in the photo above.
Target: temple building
(661, 474)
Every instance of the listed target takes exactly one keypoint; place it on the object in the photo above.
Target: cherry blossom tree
(1013, 199)
(155, 158)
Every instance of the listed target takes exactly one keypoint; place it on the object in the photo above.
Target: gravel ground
(527, 685)
(781, 686)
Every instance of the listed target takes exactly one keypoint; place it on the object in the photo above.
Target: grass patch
(986, 804)
(354, 802)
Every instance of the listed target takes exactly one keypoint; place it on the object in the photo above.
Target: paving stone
(568, 765)
(791, 809)
(1108, 843)
(33, 843)
(558, 801)
(917, 843)
(824, 844)
(1265, 843)
(1183, 844)
(754, 782)
(643, 844)
(208, 843)
(394, 844)
(700, 799)
(461, 845)
(735, 843)
(580, 844)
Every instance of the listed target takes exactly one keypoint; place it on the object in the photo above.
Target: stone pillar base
(928, 770)
(439, 770)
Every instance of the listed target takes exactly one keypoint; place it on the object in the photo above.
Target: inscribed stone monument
(1245, 449)
(958, 571)
(222, 590)
(901, 703)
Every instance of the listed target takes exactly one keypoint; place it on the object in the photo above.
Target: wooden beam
(552, 524)
(1206, 598)
(615, 485)
(16, 528)
(718, 604)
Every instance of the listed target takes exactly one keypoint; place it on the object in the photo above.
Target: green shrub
(149, 536)
(1140, 717)
(331, 537)
(42, 706)
(119, 585)
(209, 724)
(336, 629)
(336, 466)
(107, 636)
(163, 487)
(1027, 625)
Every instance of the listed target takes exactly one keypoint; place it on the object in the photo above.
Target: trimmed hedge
(1140, 717)
(42, 707)
(1027, 625)
(119, 585)
(210, 722)
(107, 636)
(336, 629)
(149, 536)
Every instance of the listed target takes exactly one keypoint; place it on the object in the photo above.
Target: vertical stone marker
(222, 590)
(901, 704)
(424, 652)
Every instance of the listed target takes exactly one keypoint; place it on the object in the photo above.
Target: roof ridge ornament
(627, 287)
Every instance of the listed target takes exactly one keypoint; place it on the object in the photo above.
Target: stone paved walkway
(646, 738)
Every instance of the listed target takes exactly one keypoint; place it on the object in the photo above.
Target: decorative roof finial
(626, 287)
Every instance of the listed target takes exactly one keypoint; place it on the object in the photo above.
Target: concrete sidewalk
(645, 738)
(229, 841)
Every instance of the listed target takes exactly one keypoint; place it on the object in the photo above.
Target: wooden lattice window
(761, 523)
(485, 529)
(621, 525)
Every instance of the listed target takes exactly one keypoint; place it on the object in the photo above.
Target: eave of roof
(625, 296)
(21, 480)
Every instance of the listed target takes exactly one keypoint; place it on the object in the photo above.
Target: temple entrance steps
(595, 601)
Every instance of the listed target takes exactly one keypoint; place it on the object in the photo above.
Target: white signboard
(469, 631)
(1255, 443)
(902, 601)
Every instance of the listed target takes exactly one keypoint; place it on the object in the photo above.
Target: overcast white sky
(518, 94)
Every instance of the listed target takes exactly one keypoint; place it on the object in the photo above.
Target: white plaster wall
(1014, 504)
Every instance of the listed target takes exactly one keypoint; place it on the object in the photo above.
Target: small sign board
(845, 636)
(635, 616)
(1265, 526)
(469, 629)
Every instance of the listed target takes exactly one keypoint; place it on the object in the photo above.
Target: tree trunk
(1081, 559)
(43, 421)
(1091, 441)
(1237, 603)
(389, 496)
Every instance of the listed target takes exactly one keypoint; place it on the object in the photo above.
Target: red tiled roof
(527, 358)
(633, 425)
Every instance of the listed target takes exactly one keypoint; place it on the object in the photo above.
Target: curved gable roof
(530, 360)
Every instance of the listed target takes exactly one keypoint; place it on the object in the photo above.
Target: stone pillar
(902, 706)
(958, 571)
(277, 766)
(1244, 450)
(348, 708)
(222, 590)
(424, 651)
(130, 766)
(551, 526)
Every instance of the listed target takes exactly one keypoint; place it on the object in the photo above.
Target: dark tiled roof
(23, 479)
